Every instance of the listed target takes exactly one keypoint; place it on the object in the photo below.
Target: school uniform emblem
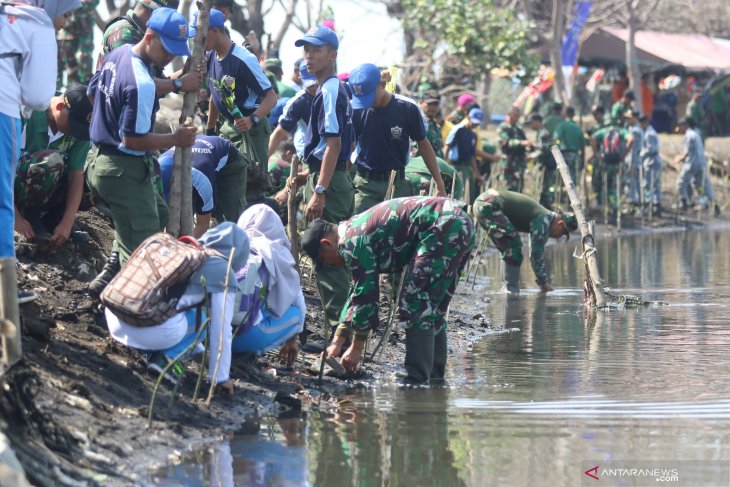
(183, 31)
(357, 88)
(396, 132)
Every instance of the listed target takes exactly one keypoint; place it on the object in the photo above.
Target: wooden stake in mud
(391, 186)
(292, 209)
(589, 249)
(619, 188)
(181, 185)
(9, 314)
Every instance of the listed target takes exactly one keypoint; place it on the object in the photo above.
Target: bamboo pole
(181, 185)
(9, 314)
(589, 249)
(391, 186)
(292, 209)
(619, 190)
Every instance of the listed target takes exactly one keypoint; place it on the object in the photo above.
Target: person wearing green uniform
(514, 145)
(49, 184)
(545, 160)
(280, 165)
(274, 66)
(609, 145)
(120, 168)
(554, 118)
(430, 104)
(241, 93)
(506, 214)
(76, 46)
(569, 136)
(419, 176)
(329, 191)
(427, 238)
(385, 124)
(620, 107)
(486, 157)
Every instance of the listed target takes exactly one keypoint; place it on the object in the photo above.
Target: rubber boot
(511, 279)
(684, 204)
(111, 268)
(419, 355)
(717, 210)
(440, 353)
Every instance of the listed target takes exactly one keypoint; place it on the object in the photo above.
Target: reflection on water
(570, 389)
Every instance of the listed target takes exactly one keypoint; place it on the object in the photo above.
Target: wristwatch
(176, 85)
(255, 120)
(319, 189)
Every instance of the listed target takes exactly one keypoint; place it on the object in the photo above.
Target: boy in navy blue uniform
(385, 124)
(460, 148)
(327, 149)
(218, 181)
(120, 169)
(295, 117)
(242, 94)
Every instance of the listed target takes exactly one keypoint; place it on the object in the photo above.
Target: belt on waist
(316, 166)
(381, 175)
(110, 150)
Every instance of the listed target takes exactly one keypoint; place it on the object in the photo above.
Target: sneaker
(175, 374)
(26, 296)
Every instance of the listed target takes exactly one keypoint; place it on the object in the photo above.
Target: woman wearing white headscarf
(271, 311)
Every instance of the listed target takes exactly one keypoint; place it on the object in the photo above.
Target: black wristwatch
(176, 85)
(255, 120)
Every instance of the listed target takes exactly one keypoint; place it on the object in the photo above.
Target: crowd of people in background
(361, 144)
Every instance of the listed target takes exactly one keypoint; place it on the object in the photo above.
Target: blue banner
(572, 36)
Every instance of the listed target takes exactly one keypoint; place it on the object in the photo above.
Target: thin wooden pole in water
(589, 249)
(292, 210)
(9, 314)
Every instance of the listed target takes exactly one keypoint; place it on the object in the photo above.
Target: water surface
(568, 391)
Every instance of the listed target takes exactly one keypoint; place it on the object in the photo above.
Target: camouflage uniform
(611, 170)
(418, 175)
(505, 213)
(549, 168)
(128, 29)
(433, 235)
(433, 134)
(513, 164)
(571, 139)
(278, 174)
(76, 46)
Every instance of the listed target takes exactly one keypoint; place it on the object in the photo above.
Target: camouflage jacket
(384, 239)
(125, 30)
(433, 134)
(510, 138)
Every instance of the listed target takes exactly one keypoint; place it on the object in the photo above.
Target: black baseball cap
(79, 110)
(312, 235)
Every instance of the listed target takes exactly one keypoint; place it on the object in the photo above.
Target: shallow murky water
(643, 388)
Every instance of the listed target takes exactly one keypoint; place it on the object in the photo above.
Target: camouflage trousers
(608, 174)
(435, 268)
(38, 180)
(76, 60)
(500, 230)
(513, 173)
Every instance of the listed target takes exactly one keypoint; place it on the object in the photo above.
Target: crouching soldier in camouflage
(505, 213)
(432, 235)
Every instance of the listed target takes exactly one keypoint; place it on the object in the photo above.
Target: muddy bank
(75, 408)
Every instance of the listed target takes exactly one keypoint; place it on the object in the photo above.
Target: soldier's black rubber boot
(440, 355)
(111, 268)
(511, 278)
(419, 355)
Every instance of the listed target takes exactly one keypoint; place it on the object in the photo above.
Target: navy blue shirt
(295, 118)
(210, 155)
(462, 144)
(251, 84)
(384, 134)
(125, 99)
(331, 117)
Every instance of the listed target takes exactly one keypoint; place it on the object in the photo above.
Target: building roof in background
(655, 49)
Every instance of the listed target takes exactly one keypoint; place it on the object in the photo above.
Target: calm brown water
(640, 388)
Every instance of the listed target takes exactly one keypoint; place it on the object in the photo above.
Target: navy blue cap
(364, 81)
(308, 79)
(173, 30)
(215, 21)
(319, 35)
(476, 115)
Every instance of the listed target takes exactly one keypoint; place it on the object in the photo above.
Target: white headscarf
(269, 240)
